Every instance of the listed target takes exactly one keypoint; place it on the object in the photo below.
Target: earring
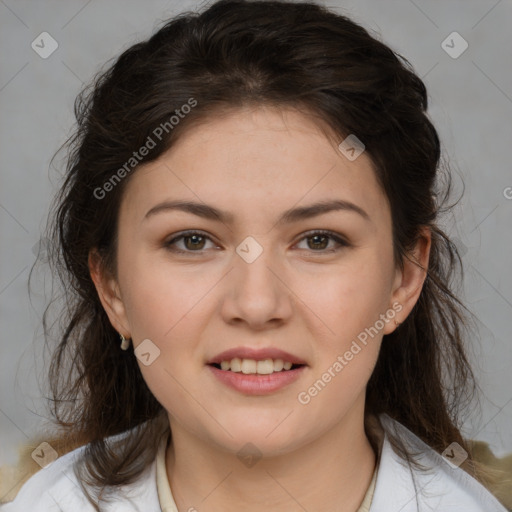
(397, 323)
(125, 343)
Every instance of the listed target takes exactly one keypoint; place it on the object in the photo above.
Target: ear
(109, 294)
(409, 281)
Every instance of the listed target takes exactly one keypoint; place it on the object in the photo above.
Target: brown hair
(233, 54)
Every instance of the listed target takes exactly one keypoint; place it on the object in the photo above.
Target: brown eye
(193, 241)
(318, 241)
(196, 241)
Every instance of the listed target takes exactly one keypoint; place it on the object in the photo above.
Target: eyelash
(185, 234)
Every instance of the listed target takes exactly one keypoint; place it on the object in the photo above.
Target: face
(316, 288)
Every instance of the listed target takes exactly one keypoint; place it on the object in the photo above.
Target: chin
(269, 437)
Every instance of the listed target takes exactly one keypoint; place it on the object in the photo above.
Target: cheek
(167, 306)
(347, 303)
(346, 298)
(159, 295)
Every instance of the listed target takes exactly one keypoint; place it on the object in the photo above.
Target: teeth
(278, 365)
(235, 365)
(265, 367)
(248, 366)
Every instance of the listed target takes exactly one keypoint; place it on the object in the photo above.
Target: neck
(336, 468)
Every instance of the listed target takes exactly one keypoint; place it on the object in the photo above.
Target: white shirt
(398, 487)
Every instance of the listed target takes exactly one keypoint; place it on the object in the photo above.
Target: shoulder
(56, 488)
(439, 486)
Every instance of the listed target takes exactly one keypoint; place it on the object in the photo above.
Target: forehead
(254, 162)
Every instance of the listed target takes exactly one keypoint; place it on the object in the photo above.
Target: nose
(256, 292)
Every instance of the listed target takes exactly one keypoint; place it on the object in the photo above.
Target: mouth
(253, 371)
(256, 375)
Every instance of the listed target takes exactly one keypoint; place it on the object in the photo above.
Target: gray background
(470, 103)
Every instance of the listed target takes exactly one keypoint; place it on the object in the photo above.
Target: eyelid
(336, 237)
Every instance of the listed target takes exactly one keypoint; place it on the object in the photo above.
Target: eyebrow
(289, 216)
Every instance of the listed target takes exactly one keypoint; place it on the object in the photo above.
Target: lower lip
(257, 384)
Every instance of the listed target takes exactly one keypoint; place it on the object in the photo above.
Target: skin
(296, 296)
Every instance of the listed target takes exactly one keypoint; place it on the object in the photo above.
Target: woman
(261, 315)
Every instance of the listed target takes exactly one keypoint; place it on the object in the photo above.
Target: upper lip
(255, 353)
